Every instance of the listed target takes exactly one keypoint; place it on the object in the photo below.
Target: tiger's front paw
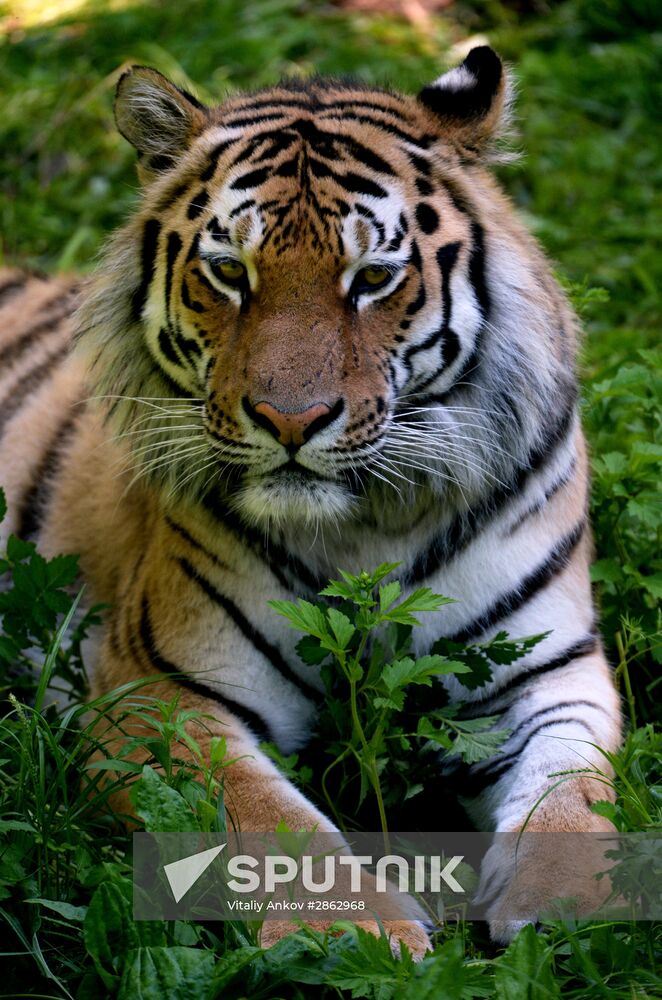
(546, 872)
(543, 883)
(408, 932)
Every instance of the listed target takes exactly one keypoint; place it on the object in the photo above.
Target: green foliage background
(589, 76)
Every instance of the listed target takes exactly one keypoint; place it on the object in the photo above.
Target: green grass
(590, 88)
(65, 860)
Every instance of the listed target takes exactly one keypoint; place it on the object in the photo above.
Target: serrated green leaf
(17, 549)
(56, 600)
(371, 969)
(382, 570)
(394, 701)
(9, 650)
(229, 965)
(388, 594)
(439, 977)
(304, 616)
(62, 571)
(42, 614)
(451, 666)
(296, 959)
(341, 627)
(474, 747)
(479, 671)
(648, 513)
(440, 736)
(3, 504)
(420, 671)
(337, 589)
(15, 824)
(479, 725)
(310, 651)
(413, 791)
(503, 650)
(606, 571)
(25, 587)
(653, 584)
(615, 462)
(604, 808)
(424, 599)
(38, 568)
(650, 451)
(396, 675)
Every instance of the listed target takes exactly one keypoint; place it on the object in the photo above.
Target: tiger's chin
(281, 499)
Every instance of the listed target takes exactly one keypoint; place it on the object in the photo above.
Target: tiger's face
(312, 275)
(309, 300)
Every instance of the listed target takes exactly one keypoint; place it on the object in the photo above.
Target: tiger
(323, 340)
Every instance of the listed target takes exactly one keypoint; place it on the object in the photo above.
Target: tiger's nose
(292, 429)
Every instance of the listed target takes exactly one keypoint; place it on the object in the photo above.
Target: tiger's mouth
(292, 494)
(293, 472)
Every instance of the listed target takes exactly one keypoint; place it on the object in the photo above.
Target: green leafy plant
(387, 743)
(32, 604)
(622, 414)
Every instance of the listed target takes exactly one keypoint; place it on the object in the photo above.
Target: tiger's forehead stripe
(327, 99)
(335, 113)
(321, 156)
(267, 144)
(322, 148)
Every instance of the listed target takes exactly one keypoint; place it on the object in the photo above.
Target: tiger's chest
(199, 604)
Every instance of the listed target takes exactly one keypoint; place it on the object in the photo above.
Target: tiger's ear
(158, 118)
(470, 100)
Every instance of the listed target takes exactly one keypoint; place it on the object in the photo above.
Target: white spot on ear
(455, 80)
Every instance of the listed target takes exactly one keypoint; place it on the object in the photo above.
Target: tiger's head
(325, 300)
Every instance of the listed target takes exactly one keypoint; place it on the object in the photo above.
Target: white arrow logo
(183, 874)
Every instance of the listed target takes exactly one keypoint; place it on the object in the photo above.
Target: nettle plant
(381, 741)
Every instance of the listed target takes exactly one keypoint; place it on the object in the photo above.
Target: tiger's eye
(375, 275)
(231, 270)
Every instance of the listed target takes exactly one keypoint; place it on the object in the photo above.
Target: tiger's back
(39, 386)
(60, 473)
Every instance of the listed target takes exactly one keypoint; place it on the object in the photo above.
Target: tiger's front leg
(257, 796)
(174, 622)
(541, 785)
